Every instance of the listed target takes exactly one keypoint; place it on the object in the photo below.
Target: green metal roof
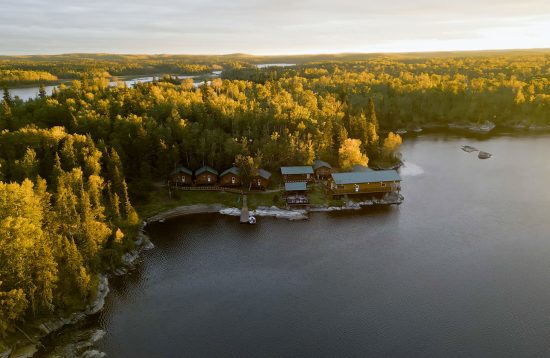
(264, 174)
(366, 177)
(360, 168)
(232, 170)
(206, 168)
(181, 170)
(296, 186)
(319, 164)
(296, 170)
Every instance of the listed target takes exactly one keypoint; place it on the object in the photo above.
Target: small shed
(297, 174)
(366, 182)
(296, 193)
(260, 181)
(230, 177)
(206, 176)
(322, 169)
(180, 176)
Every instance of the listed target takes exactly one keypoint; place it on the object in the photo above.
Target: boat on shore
(482, 128)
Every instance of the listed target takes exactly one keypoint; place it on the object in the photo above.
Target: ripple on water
(411, 170)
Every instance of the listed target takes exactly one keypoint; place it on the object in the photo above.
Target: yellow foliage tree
(349, 154)
(392, 143)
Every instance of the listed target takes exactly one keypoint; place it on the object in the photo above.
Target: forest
(74, 164)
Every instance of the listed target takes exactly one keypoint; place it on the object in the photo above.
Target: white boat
(483, 128)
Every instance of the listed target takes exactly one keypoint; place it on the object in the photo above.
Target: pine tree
(371, 138)
(6, 98)
(129, 212)
(42, 92)
(6, 113)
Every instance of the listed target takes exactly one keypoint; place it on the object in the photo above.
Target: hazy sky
(270, 27)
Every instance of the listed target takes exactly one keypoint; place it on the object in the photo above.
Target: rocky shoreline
(85, 345)
(271, 211)
(46, 328)
(473, 128)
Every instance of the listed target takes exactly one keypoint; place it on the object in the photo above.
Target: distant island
(81, 167)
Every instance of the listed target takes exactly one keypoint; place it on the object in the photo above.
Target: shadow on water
(459, 269)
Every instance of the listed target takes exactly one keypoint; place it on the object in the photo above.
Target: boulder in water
(484, 155)
(469, 149)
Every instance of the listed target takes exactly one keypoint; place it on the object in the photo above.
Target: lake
(461, 268)
(26, 93)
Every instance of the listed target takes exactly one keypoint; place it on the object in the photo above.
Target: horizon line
(280, 54)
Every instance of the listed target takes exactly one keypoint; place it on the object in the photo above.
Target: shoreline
(267, 211)
(53, 325)
(471, 129)
(143, 243)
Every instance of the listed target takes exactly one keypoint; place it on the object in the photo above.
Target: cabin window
(259, 182)
(356, 188)
(232, 180)
(208, 179)
(183, 179)
(382, 184)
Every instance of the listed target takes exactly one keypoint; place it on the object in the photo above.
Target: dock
(244, 211)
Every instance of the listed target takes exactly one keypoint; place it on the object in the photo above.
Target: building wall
(202, 179)
(181, 179)
(363, 188)
(297, 177)
(259, 183)
(230, 180)
(323, 172)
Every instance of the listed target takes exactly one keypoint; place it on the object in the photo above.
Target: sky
(270, 27)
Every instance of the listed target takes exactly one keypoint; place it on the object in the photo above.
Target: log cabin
(260, 181)
(366, 182)
(180, 176)
(230, 177)
(297, 174)
(322, 169)
(206, 176)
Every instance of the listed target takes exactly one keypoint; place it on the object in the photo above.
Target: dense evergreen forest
(72, 164)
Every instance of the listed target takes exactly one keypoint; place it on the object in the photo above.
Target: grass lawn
(318, 196)
(159, 200)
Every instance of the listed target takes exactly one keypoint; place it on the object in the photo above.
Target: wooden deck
(208, 188)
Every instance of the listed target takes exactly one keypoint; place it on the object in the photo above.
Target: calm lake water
(26, 93)
(461, 268)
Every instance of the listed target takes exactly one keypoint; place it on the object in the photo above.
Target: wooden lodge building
(364, 182)
(260, 181)
(230, 177)
(206, 176)
(297, 174)
(180, 176)
(322, 170)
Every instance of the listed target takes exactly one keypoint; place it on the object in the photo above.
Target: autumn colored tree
(350, 154)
